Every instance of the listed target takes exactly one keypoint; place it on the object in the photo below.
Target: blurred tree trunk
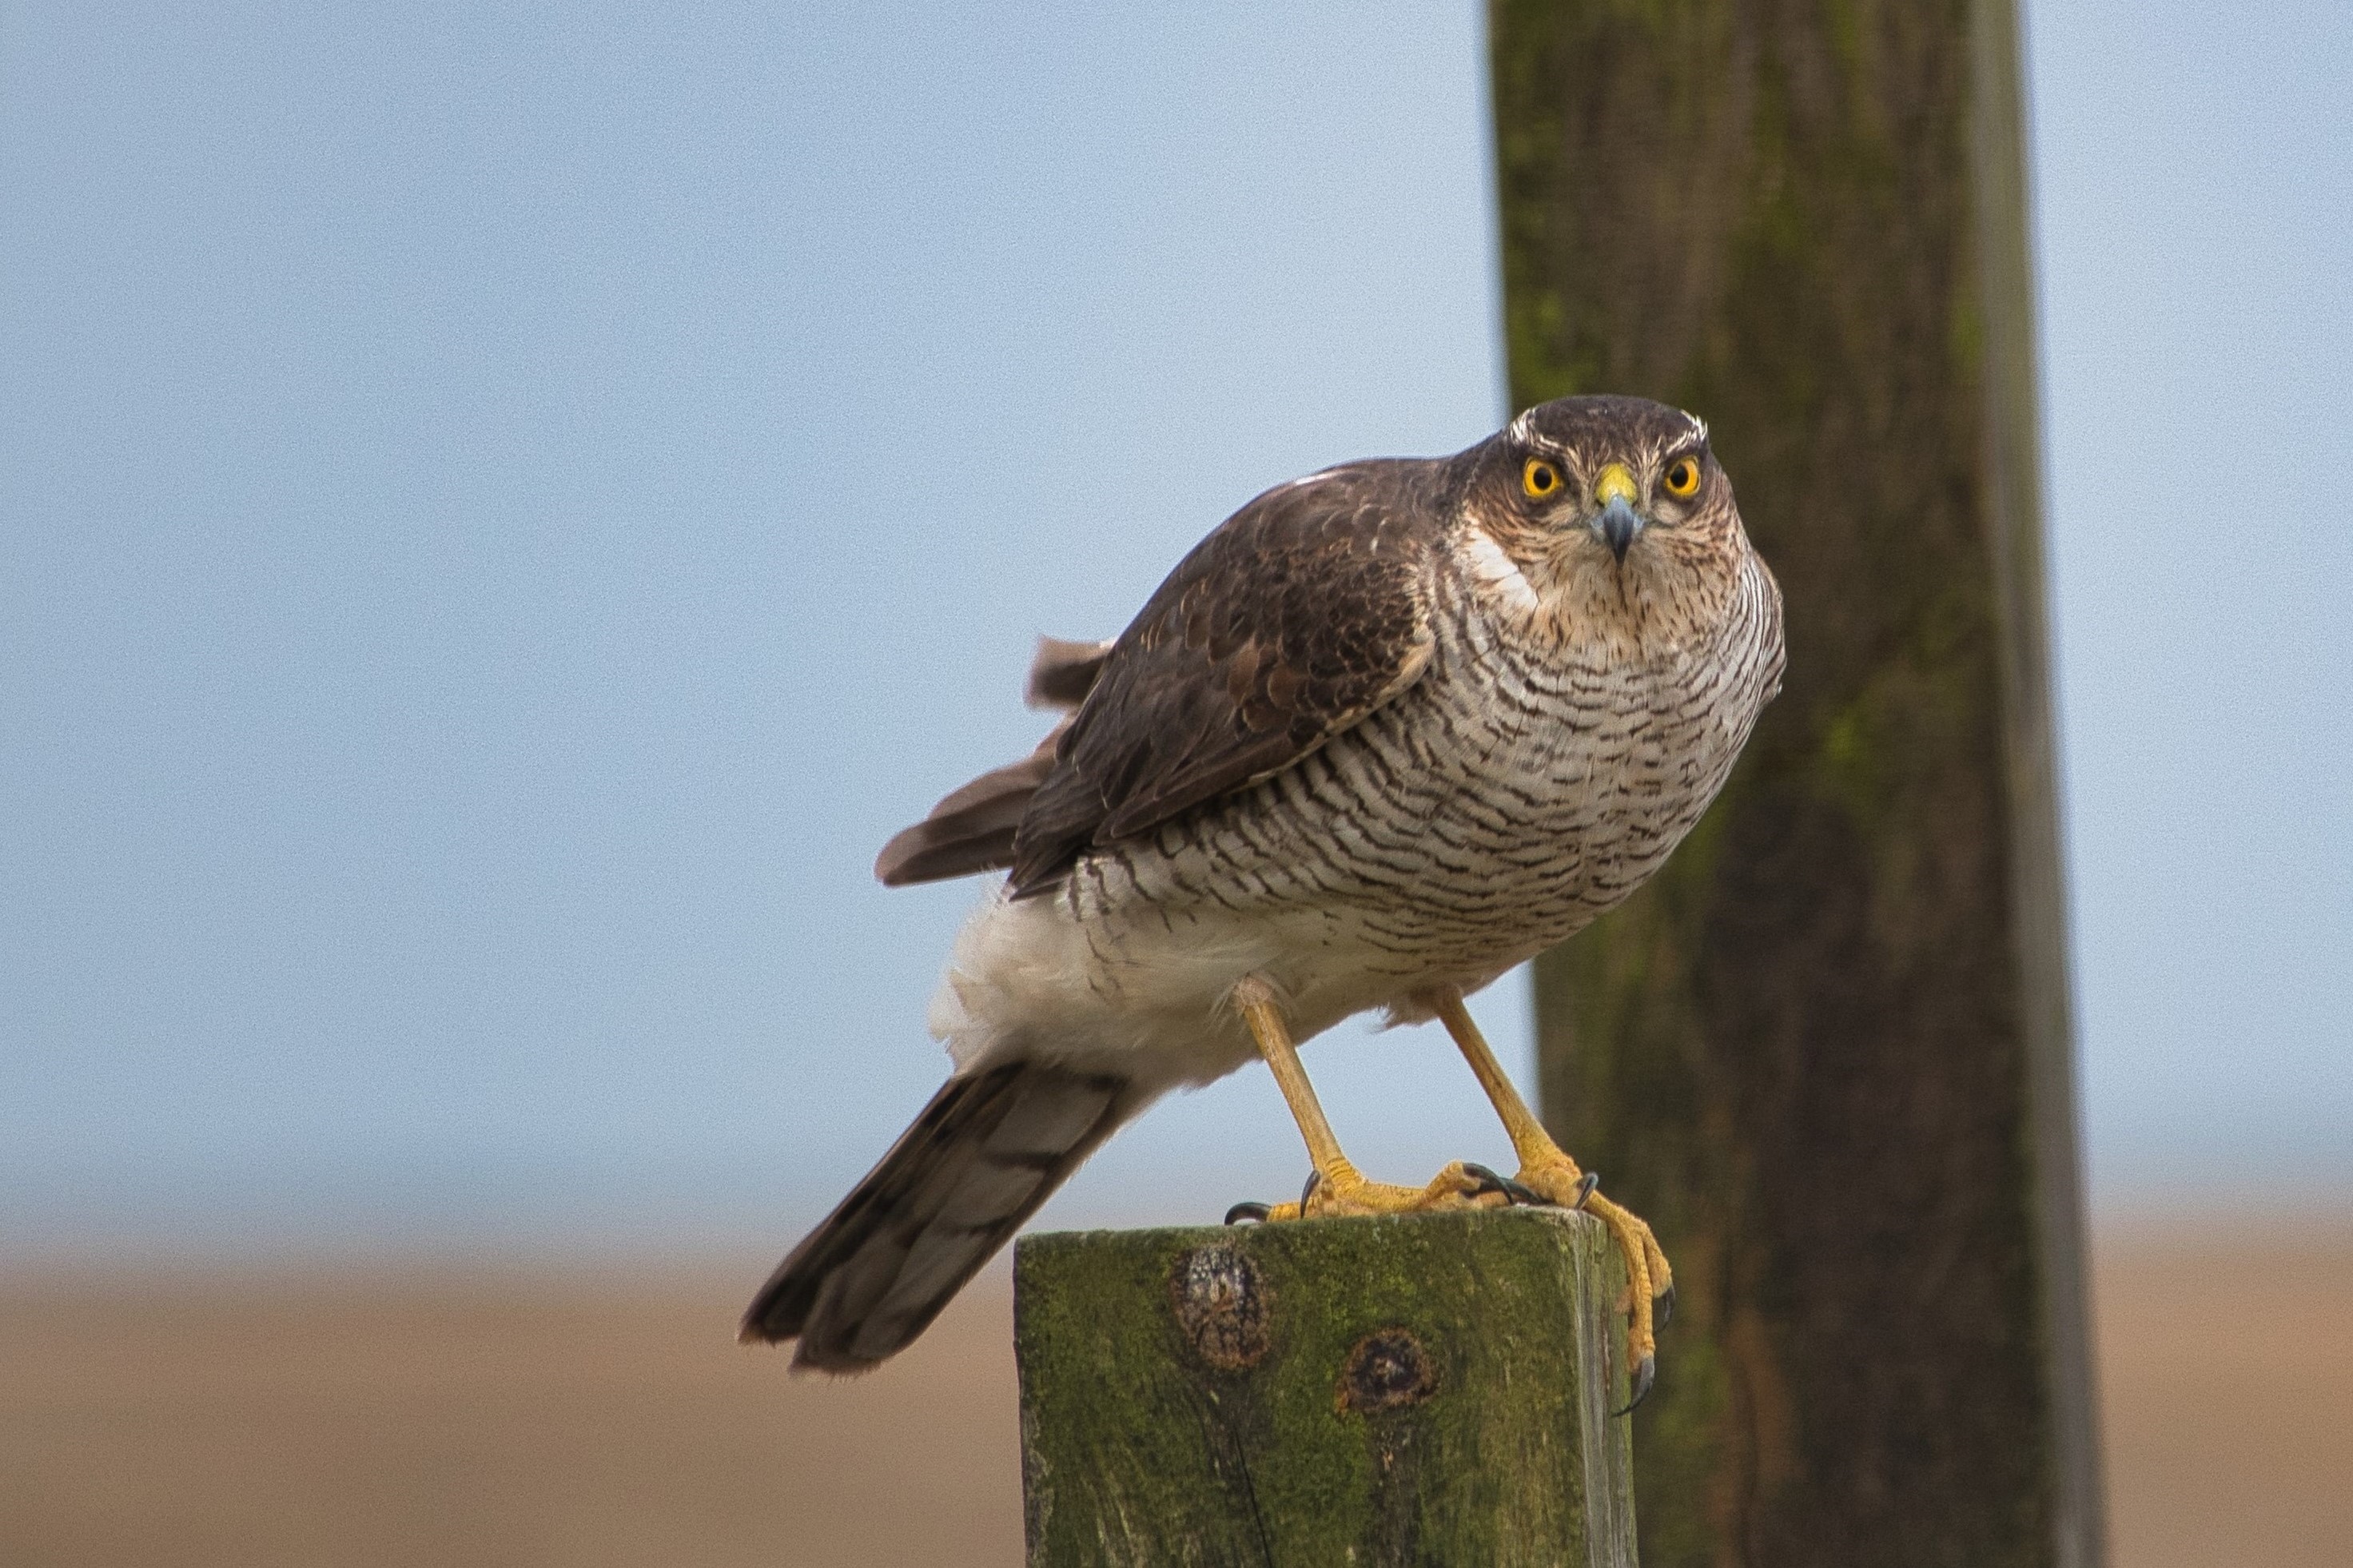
(1825, 1052)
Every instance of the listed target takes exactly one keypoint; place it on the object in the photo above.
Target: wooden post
(1826, 1051)
(1417, 1389)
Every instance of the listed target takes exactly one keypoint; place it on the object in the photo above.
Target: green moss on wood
(1431, 1389)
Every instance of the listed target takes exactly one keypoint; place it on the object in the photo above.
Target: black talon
(1248, 1211)
(1585, 1189)
(1662, 1308)
(1646, 1372)
(1314, 1180)
(1489, 1182)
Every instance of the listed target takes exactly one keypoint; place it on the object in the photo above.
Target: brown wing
(1302, 612)
(972, 829)
(1063, 672)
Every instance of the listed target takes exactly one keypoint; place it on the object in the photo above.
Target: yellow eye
(1682, 477)
(1540, 478)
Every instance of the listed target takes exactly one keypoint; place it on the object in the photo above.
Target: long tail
(987, 1150)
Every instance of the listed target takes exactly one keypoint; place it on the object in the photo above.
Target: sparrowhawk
(1389, 730)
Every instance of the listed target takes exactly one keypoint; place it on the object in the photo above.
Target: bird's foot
(1649, 1298)
(1556, 1180)
(1347, 1192)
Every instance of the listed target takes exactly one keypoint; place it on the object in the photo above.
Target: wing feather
(972, 829)
(1301, 614)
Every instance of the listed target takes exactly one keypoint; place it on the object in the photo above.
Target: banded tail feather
(985, 1152)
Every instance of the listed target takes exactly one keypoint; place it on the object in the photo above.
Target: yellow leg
(1551, 1174)
(1338, 1188)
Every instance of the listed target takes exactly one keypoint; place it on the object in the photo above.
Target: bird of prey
(1389, 730)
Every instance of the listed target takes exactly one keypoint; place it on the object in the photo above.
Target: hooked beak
(1616, 523)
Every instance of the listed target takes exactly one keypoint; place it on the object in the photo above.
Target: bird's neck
(1668, 595)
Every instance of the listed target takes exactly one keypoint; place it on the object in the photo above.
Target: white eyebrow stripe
(1543, 446)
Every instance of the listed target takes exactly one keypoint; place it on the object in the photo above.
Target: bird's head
(1606, 507)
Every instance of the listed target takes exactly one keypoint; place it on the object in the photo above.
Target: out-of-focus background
(503, 509)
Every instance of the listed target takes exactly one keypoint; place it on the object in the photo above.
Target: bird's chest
(1514, 793)
(1574, 772)
(1495, 809)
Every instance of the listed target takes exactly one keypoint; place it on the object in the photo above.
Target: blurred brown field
(580, 1417)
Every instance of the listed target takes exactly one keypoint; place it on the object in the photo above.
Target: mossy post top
(1408, 1389)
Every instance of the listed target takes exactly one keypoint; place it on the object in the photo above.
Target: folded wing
(1301, 614)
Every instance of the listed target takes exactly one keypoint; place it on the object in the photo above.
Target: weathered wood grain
(1825, 1052)
(1432, 1389)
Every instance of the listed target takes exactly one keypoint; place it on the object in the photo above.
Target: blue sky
(505, 509)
